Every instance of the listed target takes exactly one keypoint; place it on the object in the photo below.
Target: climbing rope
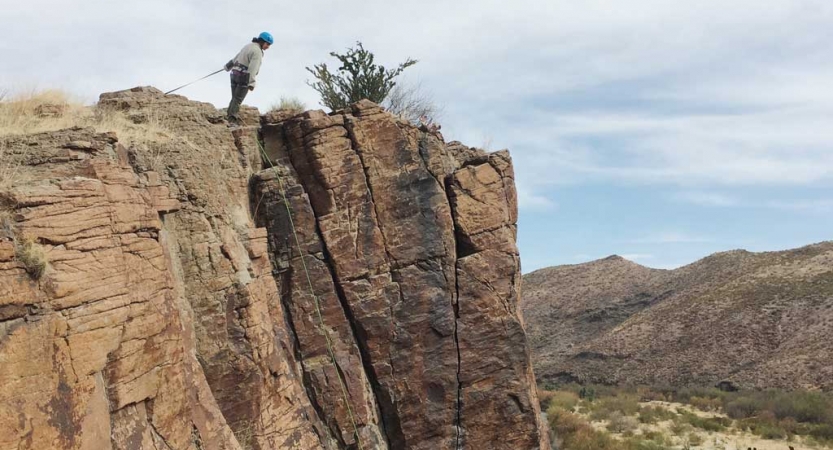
(209, 75)
(315, 297)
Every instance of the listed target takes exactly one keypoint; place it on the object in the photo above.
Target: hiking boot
(233, 122)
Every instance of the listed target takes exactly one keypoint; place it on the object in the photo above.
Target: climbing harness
(210, 74)
(315, 297)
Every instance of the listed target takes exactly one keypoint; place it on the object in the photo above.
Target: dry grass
(33, 112)
(289, 104)
(31, 254)
(51, 110)
(26, 250)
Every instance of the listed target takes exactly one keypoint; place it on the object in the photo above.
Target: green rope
(315, 297)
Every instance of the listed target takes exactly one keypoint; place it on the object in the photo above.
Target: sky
(660, 131)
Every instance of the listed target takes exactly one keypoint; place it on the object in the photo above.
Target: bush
(706, 403)
(357, 78)
(563, 399)
(823, 432)
(695, 439)
(707, 423)
(654, 414)
(411, 103)
(804, 406)
(289, 104)
(620, 423)
(32, 256)
(742, 408)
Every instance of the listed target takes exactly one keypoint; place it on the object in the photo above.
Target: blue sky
(656, 130)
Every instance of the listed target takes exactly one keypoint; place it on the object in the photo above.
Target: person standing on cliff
(244, 69)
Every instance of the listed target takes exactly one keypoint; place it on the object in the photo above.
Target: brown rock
(168, 318)
(375, 191)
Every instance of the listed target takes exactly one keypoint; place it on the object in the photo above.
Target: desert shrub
(680, 427)
(707, 423)
(823, 432)
(743, 407)
(289, 104)
(695, 439)
(357, 77)
(650, 395)
(563, 422)
(804, 406)
(706, 403)
(626, 404)
(587, 393)
(685, 395)
(32, 256)
(412, 102)
(620, 423)
(801, 406)
(565, 400)
(650, 440)
(586, 438)
(654, 414)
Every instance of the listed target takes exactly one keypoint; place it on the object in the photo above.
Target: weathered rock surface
(175, 311)
(757, 320)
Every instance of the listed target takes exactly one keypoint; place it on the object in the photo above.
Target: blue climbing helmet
(266, 37)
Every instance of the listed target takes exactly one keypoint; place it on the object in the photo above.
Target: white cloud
(706, 198)
(819, 206)
(533, 202)
(637, 256)
(692, 95)
(670, 237)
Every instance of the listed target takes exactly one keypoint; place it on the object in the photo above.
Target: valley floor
(582, 419)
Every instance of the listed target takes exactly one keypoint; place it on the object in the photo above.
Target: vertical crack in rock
(459, 412)
(361, 344)
(424, 154)
(297, 179)
(390, 418)
(283, 274)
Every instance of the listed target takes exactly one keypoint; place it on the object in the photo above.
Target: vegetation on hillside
(608, 418)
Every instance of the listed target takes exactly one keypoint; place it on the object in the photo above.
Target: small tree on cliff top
(357, 78)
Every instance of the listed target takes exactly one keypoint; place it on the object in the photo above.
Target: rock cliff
(306, 282)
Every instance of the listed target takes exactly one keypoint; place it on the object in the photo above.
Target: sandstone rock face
(176, 312)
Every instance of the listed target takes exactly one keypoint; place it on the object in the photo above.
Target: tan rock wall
(175, 311)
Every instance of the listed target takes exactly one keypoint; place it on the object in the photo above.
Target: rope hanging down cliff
(315, 297)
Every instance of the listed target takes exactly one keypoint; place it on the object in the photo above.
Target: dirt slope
(756, 319)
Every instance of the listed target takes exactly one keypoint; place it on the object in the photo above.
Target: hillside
(163, 286)
(755, 319)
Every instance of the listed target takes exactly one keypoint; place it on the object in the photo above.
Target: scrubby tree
(357, 78)
(411, 103)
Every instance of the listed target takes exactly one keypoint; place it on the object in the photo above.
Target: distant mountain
(755, 319)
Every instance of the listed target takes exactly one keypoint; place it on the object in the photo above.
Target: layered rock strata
(176, 312)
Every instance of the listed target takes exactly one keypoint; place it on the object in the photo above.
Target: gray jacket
(247, 62)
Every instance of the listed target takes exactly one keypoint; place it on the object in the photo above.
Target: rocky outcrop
(751, 320)
(175, 311)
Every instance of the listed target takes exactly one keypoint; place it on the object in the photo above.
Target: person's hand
(251, 88)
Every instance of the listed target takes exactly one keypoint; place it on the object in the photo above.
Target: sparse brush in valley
(603, 417)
